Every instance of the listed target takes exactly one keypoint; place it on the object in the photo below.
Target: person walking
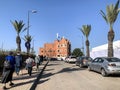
(41, 59)
(18, 65)
(37, 62)
(29, 64)
(8, 72)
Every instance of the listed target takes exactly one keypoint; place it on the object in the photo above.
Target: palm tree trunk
(87, 48)
(18, 47)
(18, 41)
(110, 43)
(28, 51)
(28, 47)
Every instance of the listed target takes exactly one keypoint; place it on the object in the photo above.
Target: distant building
(103, 50)
(59, 48)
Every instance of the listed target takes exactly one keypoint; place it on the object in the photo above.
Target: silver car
(105, 65)
(83, 61)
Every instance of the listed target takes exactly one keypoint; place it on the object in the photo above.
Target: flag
(57, 36)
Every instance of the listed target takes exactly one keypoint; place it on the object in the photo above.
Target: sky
(55, 16)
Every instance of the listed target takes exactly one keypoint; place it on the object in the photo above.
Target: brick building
(59, 48)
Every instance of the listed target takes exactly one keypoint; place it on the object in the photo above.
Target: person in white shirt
(29, 62)
(37, 61)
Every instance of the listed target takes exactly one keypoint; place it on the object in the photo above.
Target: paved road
(59, 75)
(24, 82)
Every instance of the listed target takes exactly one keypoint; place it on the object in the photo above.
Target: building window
(63, 45)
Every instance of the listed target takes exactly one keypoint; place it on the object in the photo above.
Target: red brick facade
(60, 48)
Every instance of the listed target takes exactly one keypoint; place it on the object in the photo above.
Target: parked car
(105, 65)
(59, 58)
(66, 59)
(53, 59)
(71, 59)
(83, 61)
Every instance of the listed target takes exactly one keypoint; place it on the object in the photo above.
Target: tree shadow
(22, 83)
(48, 69)
(34, 74)
(47, 75)
(69, 70)
(42, 81)
(114, 75)
(53, 64)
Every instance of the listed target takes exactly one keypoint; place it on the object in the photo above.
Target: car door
(99, 64)
(94, 64)
(77, 60)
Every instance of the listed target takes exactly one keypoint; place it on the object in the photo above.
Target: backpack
(7, 64)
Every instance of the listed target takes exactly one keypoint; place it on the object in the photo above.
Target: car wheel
(89, 69)
(103, 73)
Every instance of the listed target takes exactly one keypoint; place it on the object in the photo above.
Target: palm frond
(86, 30)
(104, 16)
(109, 10)
(28, 38)
(112, 13)
(116, 5)
(18, 25)
(26, 28)
(24, 39)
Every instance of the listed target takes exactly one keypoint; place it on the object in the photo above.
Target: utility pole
(82, 45)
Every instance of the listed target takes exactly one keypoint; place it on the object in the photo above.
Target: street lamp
(82, 45)
(30, 11)
(27, 43)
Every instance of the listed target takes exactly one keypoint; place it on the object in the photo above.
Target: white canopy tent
(103, 50)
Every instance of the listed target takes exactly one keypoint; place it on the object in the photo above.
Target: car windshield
(113, 59)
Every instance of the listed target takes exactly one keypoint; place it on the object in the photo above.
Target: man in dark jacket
(8, 72)
(18, 65)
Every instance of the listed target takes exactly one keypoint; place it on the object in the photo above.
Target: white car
(59, 58)
(71, 59)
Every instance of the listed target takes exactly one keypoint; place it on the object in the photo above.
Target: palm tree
(28, 39)
(110, 18)
(86, 31)
(18, 25)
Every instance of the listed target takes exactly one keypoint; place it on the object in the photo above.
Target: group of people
(16, 63)
(30, 62)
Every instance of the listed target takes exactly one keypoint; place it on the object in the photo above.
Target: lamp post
(27, 43)
(32, 49)
(82, 45)
(30, 11)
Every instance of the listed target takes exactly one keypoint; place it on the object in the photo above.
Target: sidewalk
(23, 81)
